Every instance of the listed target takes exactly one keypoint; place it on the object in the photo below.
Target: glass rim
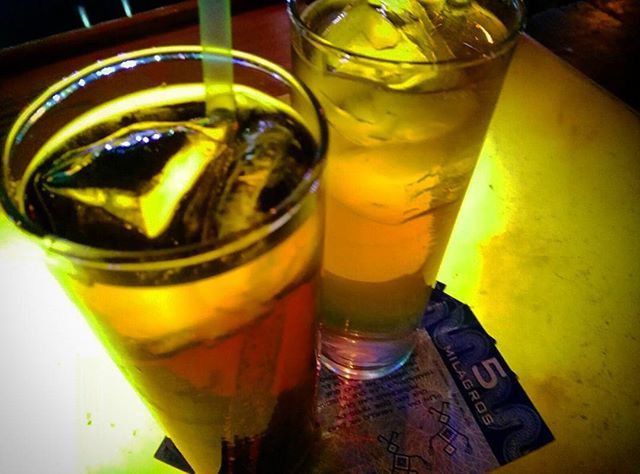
(155, 259)
(498, 49)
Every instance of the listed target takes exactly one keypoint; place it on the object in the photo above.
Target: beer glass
(408, 88)
(218, 335)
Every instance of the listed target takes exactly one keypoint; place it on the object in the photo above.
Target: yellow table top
(546, 252)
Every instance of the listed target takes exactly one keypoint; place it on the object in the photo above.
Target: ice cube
(409, 31)
(470, 30)
(271, 163)
(371, 117)
(398, 32)
(362, 29)
(411, 18)
(129, 187)
(164, 184)
(443, 30)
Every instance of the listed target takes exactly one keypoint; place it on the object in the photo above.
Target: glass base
(365, 358)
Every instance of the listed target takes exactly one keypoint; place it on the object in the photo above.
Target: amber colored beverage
(408, 88)
(191, 243)
(226, 361)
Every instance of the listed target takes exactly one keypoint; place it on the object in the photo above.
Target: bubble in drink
(223, 354)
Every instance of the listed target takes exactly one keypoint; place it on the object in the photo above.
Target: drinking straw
(217, 63)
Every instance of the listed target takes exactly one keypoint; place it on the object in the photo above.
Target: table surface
(546, 252)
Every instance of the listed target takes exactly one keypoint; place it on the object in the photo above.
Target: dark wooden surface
(598, 37)
(264, 32)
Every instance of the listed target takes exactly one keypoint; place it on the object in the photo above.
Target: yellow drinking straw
(217, 63)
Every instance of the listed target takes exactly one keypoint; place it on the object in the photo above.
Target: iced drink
(408, 88)
(192, 246)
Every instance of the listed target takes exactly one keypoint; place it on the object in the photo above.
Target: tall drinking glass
(194, 256)
(408, 88)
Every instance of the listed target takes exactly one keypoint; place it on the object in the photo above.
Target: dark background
(26, 20)
(598, 37)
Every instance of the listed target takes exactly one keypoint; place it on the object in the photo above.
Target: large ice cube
(363, 29)
(271, 164)
(129, 186)
(412, 19)
(398, 30)
(367, 117)
(471, 31)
